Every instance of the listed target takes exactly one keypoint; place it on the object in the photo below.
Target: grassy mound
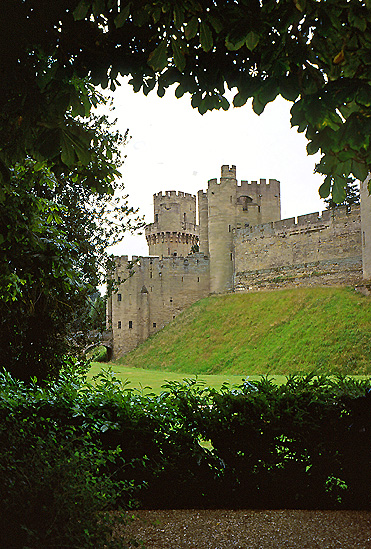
(305, 329)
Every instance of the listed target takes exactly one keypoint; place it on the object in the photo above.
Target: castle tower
(228, 206)
(221, 214)
(174, 230)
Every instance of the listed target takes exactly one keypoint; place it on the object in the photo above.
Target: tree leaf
(289, 89)
(325, 188)
(313, 147)
(206, 36)
(258, 106)
(252, 40)
(339, 58)
(68, 156)
(158, 58)
(364, 95)
(191, 28)
(359, 170)
(81, 10)
(178, 16)
(339, 189)
(180, 91)
(98, 7)
(300, 4)
(240, 99)
(179, 58)
(216, 23)
(356, 21)
(234, 44)
(122, 16)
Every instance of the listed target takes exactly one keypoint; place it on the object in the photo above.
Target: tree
(54, 234)
(315, 54)
(352, 196)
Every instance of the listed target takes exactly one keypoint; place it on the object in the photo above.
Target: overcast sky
(173, 147)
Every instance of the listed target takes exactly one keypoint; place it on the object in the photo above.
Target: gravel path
(246, 529)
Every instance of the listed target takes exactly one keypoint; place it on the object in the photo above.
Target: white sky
(173, 147)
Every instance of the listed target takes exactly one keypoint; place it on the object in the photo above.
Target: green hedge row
(304, 444)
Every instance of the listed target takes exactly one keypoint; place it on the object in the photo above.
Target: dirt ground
(248, 529)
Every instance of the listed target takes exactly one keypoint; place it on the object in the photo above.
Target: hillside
(323, 329)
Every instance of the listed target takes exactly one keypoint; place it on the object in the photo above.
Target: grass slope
(305, 329)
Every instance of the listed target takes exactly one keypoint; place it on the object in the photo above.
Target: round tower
(174, 230)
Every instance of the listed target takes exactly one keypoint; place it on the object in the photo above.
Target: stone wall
(152, 293)
(316, 249)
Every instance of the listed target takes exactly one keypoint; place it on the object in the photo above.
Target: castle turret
(174, 230)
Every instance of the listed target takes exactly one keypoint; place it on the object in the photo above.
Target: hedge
(77, 445)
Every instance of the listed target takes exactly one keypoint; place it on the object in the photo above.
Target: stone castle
(239, 244)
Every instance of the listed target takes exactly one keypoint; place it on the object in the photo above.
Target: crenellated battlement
(313, 221)
(229, 172)
(172, 194)
(261, 186)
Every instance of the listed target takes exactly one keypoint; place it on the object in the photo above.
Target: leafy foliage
(55, 492)
(54, 234)
(352, 195)
(314, 54)
(299, 445)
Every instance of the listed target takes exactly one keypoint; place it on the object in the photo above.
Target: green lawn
(141, 378)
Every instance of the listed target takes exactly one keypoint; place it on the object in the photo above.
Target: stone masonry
(243, 245)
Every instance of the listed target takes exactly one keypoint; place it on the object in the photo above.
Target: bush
(81, 449)
(54, 492)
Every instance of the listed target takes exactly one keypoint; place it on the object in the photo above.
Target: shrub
(81, 449)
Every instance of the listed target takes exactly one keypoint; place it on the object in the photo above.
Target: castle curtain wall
(317, 249)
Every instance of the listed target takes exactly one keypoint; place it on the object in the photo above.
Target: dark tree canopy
(314, 53)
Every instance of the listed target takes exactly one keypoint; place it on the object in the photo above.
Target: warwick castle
(240, 244)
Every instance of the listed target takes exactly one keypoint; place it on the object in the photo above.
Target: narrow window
(154, 324)
(258, 208)
(231, 256)
(119, 297)
(150, 274)
(198, 279)
(119, 324)
(156, 218)
(182, 279)
(229, 228)
(130, 324)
